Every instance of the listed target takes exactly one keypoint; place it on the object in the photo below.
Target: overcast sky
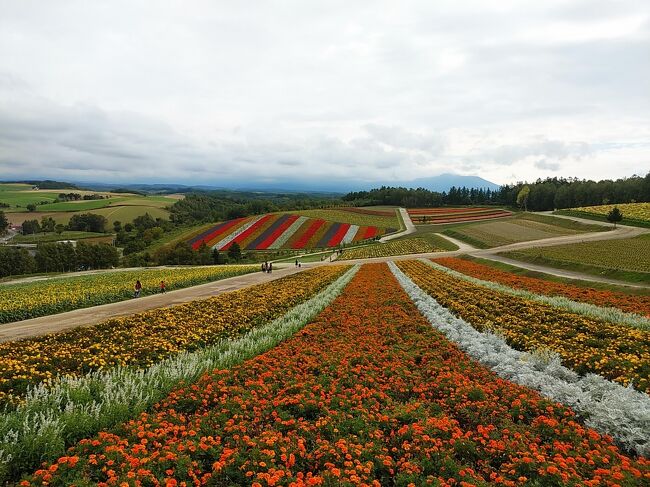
(209, 91)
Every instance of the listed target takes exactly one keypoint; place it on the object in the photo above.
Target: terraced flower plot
(625, 302)
(455, 215)
(367, 394)
(631, 254)
(286, 231)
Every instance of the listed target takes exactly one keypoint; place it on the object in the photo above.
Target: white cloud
(209, 90)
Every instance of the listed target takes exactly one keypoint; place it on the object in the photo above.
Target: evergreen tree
(614, 216)
(234, 252)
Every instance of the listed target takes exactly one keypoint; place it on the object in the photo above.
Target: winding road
(96, 314)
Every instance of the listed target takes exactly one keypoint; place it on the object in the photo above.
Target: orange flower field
(624, 302)
(367, 394)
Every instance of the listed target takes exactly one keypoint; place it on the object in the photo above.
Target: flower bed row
(146, 338)
(283, 231)
(616, 352)
(41, 298)
(611, 315)
(625, 302)
(51, 419)
(455, 215)
(608, 407)
(368, 394)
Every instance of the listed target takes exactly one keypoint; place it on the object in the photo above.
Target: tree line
(57, 257)
(541, 195)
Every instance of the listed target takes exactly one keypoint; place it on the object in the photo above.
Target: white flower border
(288, 233)
(226, 240)
(613, 315)
(606, 406)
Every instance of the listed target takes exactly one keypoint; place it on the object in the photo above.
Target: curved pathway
(410, 228)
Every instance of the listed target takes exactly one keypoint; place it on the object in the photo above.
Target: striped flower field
(455, 215)
(283, 231)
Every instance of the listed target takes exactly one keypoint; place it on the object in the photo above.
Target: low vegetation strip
(631, 254)
(605, 406)
(41, 298)
(53, 418)
(521, 228)
(586, 345)
(455, 215)
(416, 245)
(612, 315)
(143, 339)
(368, 394)
(625, 302)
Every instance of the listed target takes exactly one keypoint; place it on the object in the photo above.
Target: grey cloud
(544, 164)
(359, 89)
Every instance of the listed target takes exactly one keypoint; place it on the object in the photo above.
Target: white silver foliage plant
(613, 315)
(608, 407)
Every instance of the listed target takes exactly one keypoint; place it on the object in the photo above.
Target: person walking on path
(163, 287)
(138, 289)
(270, 267)
(296, 262)
(264, 267)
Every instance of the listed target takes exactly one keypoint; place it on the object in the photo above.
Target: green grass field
(122, 207)
(522, 227)
(625, 259)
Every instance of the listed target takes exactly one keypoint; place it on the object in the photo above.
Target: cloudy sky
(213, 91)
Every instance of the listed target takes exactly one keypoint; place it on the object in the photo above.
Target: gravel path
(410, 228)
(97, 314)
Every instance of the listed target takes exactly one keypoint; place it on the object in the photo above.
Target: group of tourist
(138, 288)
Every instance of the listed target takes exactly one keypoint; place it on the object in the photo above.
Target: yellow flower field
(143, 339)
(40, 298)
(635, 211)
(617, 352)
(394, 247)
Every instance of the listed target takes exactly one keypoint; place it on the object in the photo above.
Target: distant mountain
(445, 181)
(315, 187)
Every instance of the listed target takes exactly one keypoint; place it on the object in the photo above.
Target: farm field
(521, 228)
(414, 245)
(369, 393)
(289, 231)
(55, 237)
(56, 295)
(455, 215)
(626, 302)
(633, 213)
(617, 352)
(625, 259)
(117, 207)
